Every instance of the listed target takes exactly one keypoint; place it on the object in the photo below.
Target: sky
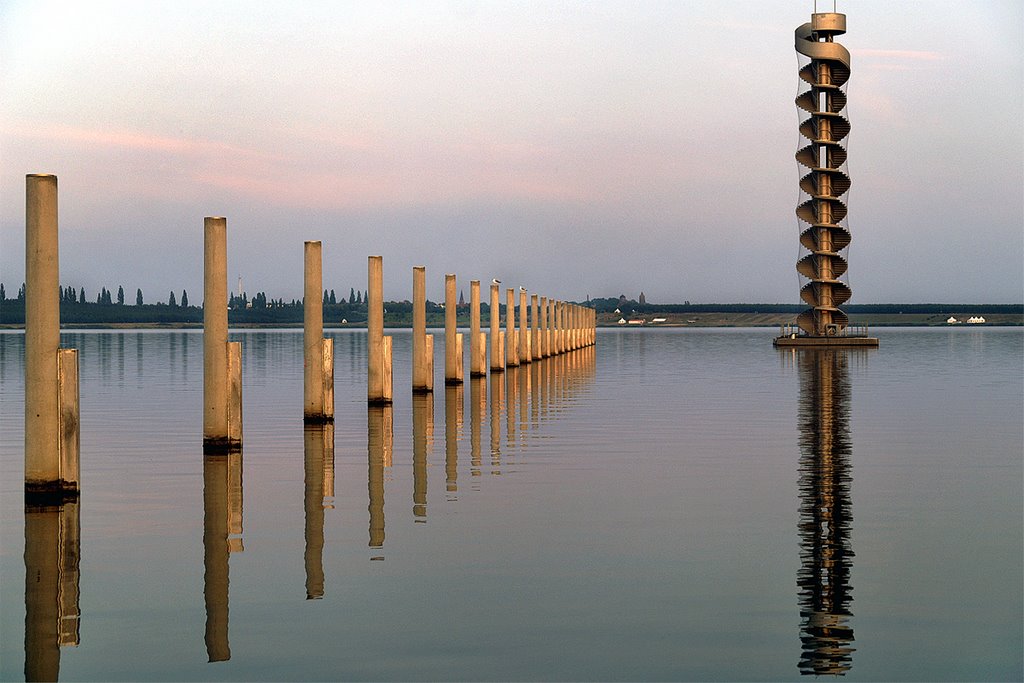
(574, 148)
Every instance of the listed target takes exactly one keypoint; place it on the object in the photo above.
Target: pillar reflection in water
(318, 452)
(511, 393)
(497, 400)
(379, 444)
(52, 551)
(477, 408)
(825, 513)
(222, 529)
(452, 428)
(422, 438)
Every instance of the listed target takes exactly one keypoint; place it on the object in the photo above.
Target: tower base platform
(804, 341)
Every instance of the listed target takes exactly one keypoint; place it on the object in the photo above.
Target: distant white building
(952, 321)
(975, 320)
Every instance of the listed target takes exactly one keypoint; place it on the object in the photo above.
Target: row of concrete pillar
(547, 327)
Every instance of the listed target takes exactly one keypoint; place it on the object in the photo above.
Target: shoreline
(706, 320)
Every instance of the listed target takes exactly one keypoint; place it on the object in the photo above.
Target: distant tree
(107, 298)
(3, 292)
(184, 299)
(138, 297)
(352, 295)
(327, 297)
(366, 297)
(333, 300)
(171, 300)
(21, 292)
(359, 298)
(120, 295)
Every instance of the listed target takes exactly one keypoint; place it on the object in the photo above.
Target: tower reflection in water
(318, 459)
(222, 529)
(52, 551)
(825, 514)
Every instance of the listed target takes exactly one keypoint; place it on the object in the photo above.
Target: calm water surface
(671, 505)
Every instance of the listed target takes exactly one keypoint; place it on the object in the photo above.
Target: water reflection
(477, 408)
(422, 437)
(52, 551)
(379, 446)
(318, 456)
(453, 400)
(825, 512)
(497, 402)
(222, 529)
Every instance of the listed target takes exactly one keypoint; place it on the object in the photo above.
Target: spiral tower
(823, 211)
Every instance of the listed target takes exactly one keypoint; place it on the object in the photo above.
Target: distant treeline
(111, 309)
(630, 306)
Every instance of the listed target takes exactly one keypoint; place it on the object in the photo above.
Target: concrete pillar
(564, 321)
(234, 381)
(551, 329)
(422, 349)
(378, 375)
(556, 330)
(497, 345)
(525, 348)
(544, 351)
(535, 336)
(575, 319)
(315, 383)
(511, 347)
(222, 378)
(477, 350)
(453, 363)
(51, 374)
(69, 445)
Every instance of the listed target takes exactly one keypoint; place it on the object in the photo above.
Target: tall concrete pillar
(544, 350)
(556, 330)
(511, 347)
(525, 354)
(477, 352)
(221, 405)
(51, 374)
(315, 351)
(536, 333)
(497, 347)
(453, 363)
(378, 347)
(422, 346)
